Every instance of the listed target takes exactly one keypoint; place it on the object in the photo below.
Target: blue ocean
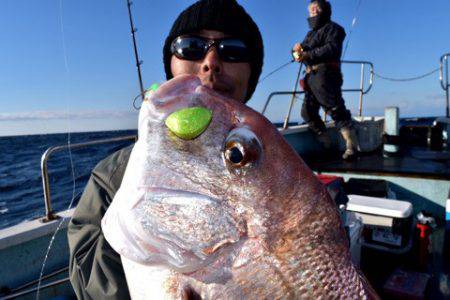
(21, 192)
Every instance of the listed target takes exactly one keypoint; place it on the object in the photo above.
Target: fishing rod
(136, 55)
(276, 70)
(286, 121)
(358, 5)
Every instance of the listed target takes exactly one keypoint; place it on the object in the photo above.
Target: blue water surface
(21, 193)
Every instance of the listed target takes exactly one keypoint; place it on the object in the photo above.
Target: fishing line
(358, 5)
(67, 71)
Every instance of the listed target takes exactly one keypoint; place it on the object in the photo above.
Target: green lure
(189, 123)
(154, 87)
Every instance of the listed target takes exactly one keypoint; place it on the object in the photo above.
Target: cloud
(53, 115)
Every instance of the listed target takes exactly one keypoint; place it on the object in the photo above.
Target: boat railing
(49, 214)
(362, 90)
(443, 77)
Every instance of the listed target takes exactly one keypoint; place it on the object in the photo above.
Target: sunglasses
(195, 48)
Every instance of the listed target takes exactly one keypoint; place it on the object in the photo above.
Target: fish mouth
(177, 197)
(181, 229)
(174, 196)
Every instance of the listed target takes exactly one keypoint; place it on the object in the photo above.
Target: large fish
(215, 204)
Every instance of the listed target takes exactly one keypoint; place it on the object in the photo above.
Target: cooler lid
(379, 206)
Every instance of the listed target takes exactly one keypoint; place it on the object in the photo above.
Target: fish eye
(242, 148)
(234, 155)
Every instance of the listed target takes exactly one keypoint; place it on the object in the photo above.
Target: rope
(408, 78)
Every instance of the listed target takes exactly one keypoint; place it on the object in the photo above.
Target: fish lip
(184, 193)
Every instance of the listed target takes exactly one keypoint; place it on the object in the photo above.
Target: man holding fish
(215, 40)
(211, 202)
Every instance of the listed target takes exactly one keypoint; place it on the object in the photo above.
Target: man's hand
(298, 53)
(297, 48)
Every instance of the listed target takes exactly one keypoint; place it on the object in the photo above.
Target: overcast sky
(68, 65)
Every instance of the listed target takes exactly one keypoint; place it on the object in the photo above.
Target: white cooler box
(387, 223)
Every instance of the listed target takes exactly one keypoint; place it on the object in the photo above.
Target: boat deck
(411, 165)
(415, 162)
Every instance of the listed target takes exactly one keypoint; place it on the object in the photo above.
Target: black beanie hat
(226, 16)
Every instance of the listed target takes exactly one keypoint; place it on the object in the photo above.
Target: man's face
(229, 79)
(314, 9)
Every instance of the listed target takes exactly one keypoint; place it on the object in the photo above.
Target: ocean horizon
(66, 132)
(21, 193)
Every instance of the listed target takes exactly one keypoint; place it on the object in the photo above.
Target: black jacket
(324, 44)
(96, 270)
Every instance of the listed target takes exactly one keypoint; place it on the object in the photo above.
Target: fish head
(240, 150)
(240, 158)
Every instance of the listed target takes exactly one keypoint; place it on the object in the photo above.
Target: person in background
(321, 52)
(215, 40)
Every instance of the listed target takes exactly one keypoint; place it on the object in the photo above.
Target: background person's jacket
(324, 44)
(95, 269)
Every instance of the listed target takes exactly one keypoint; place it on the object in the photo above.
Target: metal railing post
(447, 85)
(49, 214)
(444, 81)
(361, 93)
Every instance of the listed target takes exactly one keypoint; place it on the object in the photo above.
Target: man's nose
(212, 62)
